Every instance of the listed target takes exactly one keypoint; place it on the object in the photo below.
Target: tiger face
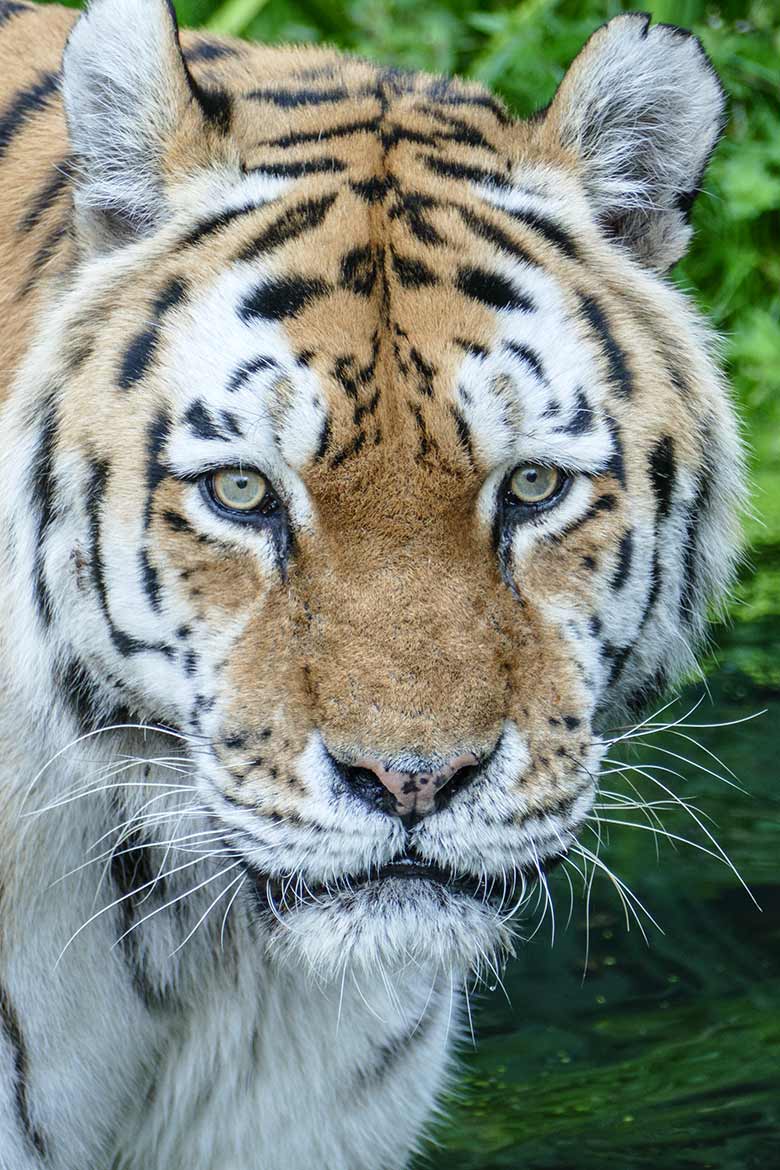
(387, 466)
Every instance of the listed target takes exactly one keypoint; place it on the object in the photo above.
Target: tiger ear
(138, 123)
(641, 109)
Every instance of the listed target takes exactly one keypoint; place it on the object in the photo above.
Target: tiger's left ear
(138, 123)
(641, 109)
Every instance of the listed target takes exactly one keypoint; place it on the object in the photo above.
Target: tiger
(362, 465)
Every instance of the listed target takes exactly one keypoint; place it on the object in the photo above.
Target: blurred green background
(665, 1054)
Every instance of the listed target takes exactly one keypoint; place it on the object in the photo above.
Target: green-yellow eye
(532, 483)
(239, 489)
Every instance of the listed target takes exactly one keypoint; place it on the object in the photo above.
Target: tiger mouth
(282, 895)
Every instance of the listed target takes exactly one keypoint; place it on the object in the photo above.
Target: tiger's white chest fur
(209, 1057)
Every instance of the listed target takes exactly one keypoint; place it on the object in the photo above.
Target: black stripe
(345, 130)
(582, 419)
(140, 352)
(663, 474)
(492, 290)
(201, 423)
(244, 372)
(463, 432)
(47, 196)
(124, 643)
(294, 222)
(527, 355)
(616, 465)
(296, 170)
(617, 364)
(464, 173)
(442, 93)
(288, 98)
(9, 9)
(412, 273)
(284, 297)
(411, 207)
(208, 51)
(27, 102)
(42, 488)
(13, 1032)
(43, 254)
(359, 269)
(150, 579)
(625, 558)
(605, 503)
(552, 232)
(215, 223)
(487, 230)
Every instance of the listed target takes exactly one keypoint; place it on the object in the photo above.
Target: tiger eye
(533, 483)
(239, 490)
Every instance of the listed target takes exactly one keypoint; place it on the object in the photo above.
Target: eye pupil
(238, 490)
(533, 483)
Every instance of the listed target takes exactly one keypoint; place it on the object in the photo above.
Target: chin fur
(388, 926)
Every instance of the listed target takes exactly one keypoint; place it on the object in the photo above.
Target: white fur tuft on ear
(134, 114)
(642, 110)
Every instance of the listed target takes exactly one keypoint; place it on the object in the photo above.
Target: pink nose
(415, 792)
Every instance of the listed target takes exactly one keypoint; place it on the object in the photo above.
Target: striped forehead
(537, 391)
(239, 392)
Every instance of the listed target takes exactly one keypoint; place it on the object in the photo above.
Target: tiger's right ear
(139, 124)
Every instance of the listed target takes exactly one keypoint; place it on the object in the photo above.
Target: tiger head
(382, 463)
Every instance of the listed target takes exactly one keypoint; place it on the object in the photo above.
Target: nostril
(409, 794)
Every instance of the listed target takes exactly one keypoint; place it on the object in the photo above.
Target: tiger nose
(414, 794)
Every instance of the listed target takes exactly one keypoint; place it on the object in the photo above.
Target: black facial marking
(412, 273)
(24, 105)
(9, 9)
(425, 372)
(289, 98)
(47, 249)
(156, 471)
(582, 418)
(244, 372)
(492, 290)
(372, 190)
(625, 558)
(463, 432)
(616, 465)
(344, 130)
(464, 173)
(296, 221)
(124, 643)
(43, 489)
(142, 348)
(216, 223)
(412, 207)
(527, 355)
(209, 51)
(487, 230)
(285, 296)
(296, 170)
(47, 196)
(201, 423)
(359, 269)
(552, 232)
(177, 523)
(150, 579)
(617, 363)
(347, 452)
(12, 1030)
(663, 474)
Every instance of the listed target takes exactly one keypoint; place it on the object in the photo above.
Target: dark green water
(668, 1054)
